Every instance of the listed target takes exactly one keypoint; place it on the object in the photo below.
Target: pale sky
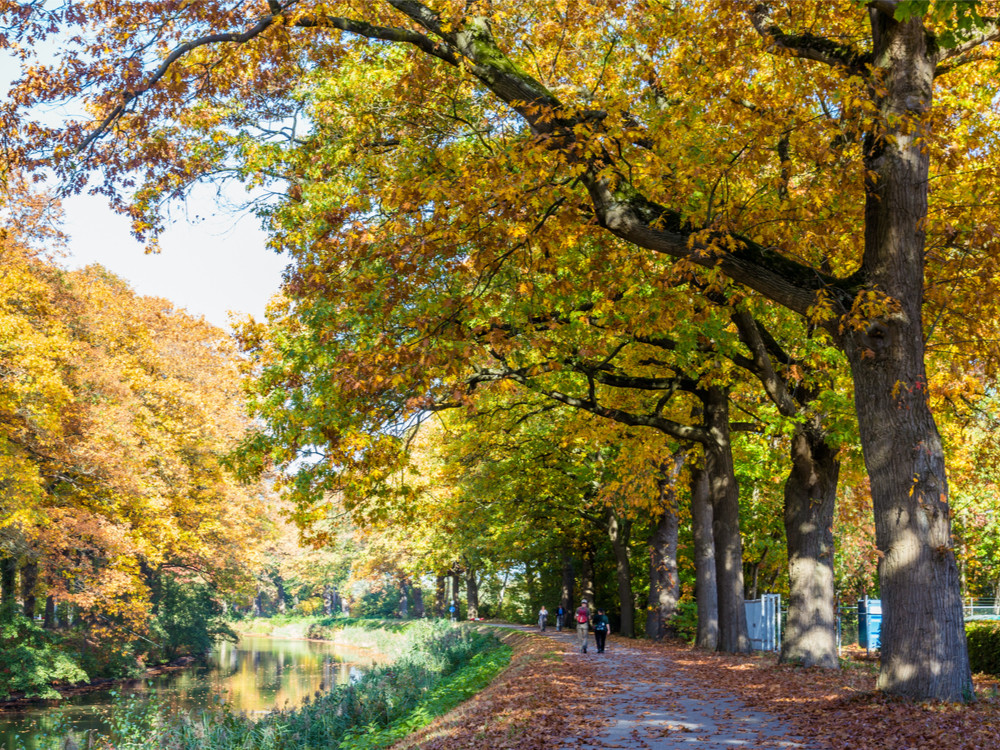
(208, 268)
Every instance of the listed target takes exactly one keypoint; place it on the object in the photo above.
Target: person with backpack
(601, 627)
(560, 617)
(582, 622)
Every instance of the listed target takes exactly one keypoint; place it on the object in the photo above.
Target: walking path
(647, 703)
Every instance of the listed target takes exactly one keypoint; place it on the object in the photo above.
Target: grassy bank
(438, 666)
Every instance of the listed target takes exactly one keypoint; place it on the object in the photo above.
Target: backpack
(581, 617)
(599, 623)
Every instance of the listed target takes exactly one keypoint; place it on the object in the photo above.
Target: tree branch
(807, 46)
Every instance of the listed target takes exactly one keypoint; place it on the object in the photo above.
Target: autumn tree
(789, 147)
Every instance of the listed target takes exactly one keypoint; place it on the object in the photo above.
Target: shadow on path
(647, 703)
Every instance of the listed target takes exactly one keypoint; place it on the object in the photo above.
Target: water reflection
(253, 675)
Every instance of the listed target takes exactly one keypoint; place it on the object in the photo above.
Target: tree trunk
(587, 577)
(664, 583)
(439, 597)
(8, 583)
(418, 602)
(328, 600)
(49, 621)
(705, 591)
(923, 633)
(619, 531)
(733, 636)
(404, 599)
(456, 593)
(567, 598)
(810, 635)
(29, 579)
(471, 594)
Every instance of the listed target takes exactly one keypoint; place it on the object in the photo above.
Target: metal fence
(766, 619)
(981, 609)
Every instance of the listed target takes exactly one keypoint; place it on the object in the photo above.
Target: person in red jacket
(582, 623)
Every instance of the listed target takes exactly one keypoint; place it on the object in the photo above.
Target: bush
(31, 659)
(984, 646)
(309, 607)
(684, 623)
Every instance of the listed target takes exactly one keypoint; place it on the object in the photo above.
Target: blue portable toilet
(870, 623)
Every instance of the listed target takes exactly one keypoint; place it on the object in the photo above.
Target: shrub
(31, 659)
(684, 623)
(984, 646)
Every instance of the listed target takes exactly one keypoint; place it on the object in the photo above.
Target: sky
(209, 268)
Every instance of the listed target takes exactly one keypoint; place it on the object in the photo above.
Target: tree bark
(706, 590)
(439, 597)
(923, 653)
(404, 599)
(418, 602)
(49, 620)
(810, 635)
(619, 532)
(733, 636)
(8, 583)
(29, 579)
(587, 576)
(471, 594)
(664, 582)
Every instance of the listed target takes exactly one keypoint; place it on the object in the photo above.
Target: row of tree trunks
(619, 532)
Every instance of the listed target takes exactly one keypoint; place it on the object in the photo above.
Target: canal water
(254, 675)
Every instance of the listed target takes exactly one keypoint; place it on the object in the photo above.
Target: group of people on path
(584, 621)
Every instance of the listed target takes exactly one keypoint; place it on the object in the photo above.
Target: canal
(254, 675)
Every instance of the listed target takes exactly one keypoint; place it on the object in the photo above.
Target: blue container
(870, 623)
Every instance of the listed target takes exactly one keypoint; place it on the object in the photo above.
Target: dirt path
(649, 703)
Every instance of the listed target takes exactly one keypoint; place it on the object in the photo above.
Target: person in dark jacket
(601, 627)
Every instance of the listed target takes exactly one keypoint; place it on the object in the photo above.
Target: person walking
(560, 617)
(543, 616)
(601, 626)
(582, 622)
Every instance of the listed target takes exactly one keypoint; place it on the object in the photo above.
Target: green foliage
(187, 620)
(31, 660)
(685, 620)
(983, 639)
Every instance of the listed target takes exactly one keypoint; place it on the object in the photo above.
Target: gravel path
(646, 704)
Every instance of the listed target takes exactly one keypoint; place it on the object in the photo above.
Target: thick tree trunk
(567, 598)
(619, 531)
(471, 594)
(8, 583)
(29, 579)
(705, 590)
(49, 620)
(418, 602)
(664, 583)
(733, 636)
(327, 601)
(439, 597)
(810, 635)
(923, 633)
(404, 599)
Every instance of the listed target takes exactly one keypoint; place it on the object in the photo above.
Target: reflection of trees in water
(253, 676)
